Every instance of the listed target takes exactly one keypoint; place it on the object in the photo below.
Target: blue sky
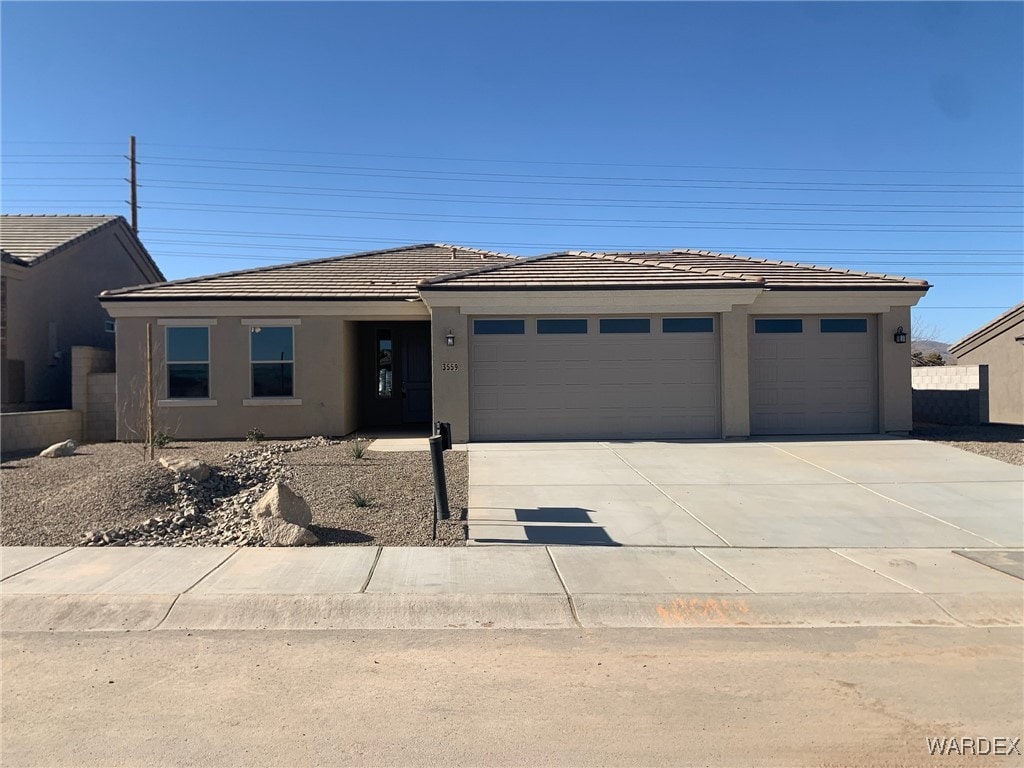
(875, 136)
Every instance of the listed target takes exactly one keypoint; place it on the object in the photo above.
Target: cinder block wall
(952, 394)
(93, 391)
(33, 430)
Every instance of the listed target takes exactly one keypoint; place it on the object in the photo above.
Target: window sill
(272, 401)
(185, 403)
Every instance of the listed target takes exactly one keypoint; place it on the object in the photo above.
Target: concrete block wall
(34, 430)
(93, 392)
(100, 416)
(952, 394)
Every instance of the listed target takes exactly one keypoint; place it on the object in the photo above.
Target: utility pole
(134, 191)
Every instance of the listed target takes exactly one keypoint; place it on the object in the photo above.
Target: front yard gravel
(1004, 442)
(111, 487)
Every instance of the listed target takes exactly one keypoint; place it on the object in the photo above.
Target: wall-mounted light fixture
(449, 338)
(900, 337)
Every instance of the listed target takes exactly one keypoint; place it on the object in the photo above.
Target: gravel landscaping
(108, 494)
(1004, 442)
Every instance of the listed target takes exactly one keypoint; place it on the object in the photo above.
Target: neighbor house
(677, 344)
(52, 269)
(999, 345)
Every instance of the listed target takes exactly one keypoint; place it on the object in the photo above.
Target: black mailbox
(444, 430)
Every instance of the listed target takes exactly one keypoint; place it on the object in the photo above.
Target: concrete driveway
(861, 492)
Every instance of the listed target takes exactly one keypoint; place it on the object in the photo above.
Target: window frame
(208, 362)
(252, 328)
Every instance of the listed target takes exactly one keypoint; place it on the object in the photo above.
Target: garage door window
(499, 327)
(844, 325)
(773, 325)
(562, 325)
(688, 325)
(626, 325)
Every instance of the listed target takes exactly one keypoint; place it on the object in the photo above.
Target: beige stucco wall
(321, 383)
(1004, 357)
(450, 385)
(62, 290)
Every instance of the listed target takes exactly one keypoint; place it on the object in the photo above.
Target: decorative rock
(280, 533)
(283, 503)
(188, 467)
(59, 450)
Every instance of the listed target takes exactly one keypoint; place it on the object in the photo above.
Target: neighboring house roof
(989, 331)
(663, 269)
(29, 239)
(392, 273)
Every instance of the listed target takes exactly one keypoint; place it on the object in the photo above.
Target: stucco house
(676, 344)
(51, 269)
(999, 344)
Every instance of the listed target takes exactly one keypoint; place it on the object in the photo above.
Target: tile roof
(27, 238)
(392, 273)
(586, 271)
(662, 269)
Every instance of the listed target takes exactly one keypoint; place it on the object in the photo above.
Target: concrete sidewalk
(59, 589)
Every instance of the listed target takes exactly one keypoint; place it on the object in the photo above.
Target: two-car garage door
(594, 377)
(658, 376)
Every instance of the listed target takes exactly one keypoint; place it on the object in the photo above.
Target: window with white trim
(272, 361)
(188, 362)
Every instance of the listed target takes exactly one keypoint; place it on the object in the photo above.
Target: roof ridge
(489, 268)
(977, 333)
(782, 262)
(645, 259)
(272, 267)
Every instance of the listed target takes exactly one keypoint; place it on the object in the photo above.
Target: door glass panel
(385, 365)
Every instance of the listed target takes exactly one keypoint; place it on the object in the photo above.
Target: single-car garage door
(594, 377)
(813, 375)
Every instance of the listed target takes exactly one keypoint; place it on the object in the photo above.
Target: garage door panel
(594, 385)
(813, 382)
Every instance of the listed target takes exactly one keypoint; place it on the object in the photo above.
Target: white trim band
(272, 401)
(271, 321)
(185, 403)
(186, 321)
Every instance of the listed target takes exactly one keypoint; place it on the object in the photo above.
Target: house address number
(449, 366)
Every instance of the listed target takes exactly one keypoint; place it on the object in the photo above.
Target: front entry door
(416, 374)
(395, 374)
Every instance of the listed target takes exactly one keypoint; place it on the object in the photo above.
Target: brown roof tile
(30, 237)
(384, 274)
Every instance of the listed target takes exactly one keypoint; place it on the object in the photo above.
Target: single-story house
(675, 344)
(51, 268)
(999, 345)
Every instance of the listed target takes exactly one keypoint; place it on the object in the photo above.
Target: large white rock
(280, 533)
(187, 466)
(284, 503)
(59, 450)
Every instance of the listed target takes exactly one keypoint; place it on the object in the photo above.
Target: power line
(538, 178)
(538, 221)
(775, 249)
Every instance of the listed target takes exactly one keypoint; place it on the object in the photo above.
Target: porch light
(449, 338)
(900, 337)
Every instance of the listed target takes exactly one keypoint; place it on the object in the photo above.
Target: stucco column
(895, 392)
(735, 373)
(450, 385)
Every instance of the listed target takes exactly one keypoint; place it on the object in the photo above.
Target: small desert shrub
(358, 499)
(162, 439)
(358, 450)
(255, 435)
